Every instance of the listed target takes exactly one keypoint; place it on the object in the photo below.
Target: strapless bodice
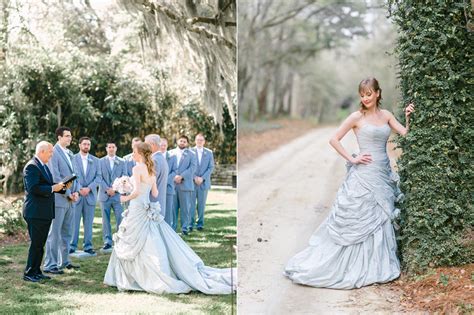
(373, 139)
(144, 195)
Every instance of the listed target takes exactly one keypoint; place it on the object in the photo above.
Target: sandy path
(282, 197)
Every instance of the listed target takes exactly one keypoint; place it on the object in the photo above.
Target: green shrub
(435, 48)
(11, 218)
(94, 98)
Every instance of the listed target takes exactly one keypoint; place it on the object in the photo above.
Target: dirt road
(282, 198)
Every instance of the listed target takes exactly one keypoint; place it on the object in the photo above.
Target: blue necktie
(48, 173)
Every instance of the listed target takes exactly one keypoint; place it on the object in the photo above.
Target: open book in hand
(68, 180)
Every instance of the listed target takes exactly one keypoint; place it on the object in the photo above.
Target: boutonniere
(116, 162)
(69, 152)
(89, 160)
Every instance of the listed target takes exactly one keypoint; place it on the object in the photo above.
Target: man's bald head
(44, 151)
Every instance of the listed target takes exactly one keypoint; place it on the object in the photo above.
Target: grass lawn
(82, 291)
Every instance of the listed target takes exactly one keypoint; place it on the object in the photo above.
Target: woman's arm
(395, 125)
(343, 129)
(154, 189)
(136, 182)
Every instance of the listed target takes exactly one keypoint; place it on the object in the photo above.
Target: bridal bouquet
(122, 185)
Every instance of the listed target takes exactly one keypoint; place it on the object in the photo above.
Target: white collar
(84, 157)
(65, 150)
(39, 160)
(111, 157)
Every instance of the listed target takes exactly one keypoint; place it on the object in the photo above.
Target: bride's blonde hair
(144, 149)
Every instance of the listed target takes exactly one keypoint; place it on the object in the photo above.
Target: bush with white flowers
(11, 219)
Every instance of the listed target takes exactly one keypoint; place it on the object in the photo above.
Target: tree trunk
(262, 98)
(4, 30)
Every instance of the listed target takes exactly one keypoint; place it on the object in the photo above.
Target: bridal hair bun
(144, 149)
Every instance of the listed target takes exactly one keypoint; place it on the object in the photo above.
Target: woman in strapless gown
(148, 255)
(356, 246)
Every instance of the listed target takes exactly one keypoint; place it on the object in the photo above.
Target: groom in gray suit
(161, 171)
(111, 167)
(186, 165)
(202, 180)
(89, 177)
(60, 234)
(170, 188)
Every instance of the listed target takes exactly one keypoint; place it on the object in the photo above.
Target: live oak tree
(205, 32)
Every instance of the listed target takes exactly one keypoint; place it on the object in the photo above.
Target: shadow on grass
(18, 296)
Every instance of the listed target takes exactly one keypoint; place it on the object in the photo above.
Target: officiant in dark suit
(38, 208)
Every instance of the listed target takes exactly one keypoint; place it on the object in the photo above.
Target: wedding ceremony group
(147, 253)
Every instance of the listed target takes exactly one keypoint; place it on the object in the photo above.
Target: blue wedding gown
(355, 246)
(149, 256)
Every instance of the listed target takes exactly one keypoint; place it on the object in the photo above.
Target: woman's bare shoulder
(355, 116)
(388, 114)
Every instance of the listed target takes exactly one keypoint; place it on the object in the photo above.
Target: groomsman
(170, 217)
(38, 208)
(89, 177)
(130, 163)
(60, 234)
(111, 167)
(186, 165)
(202, 180)
(161, 171)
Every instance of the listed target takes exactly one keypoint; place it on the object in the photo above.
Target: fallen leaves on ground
(445, 290)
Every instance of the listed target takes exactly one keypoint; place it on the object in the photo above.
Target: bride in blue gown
(148, 255)
(356, 246)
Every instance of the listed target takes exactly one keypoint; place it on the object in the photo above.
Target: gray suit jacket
(129, 163)
(205, 168)
(172, 167)
(186, 168)
(161, 170)
(91, 179)
(60, 168)
(108, 177)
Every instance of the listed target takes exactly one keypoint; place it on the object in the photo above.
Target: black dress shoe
(42, 277)
(71, 251)
(54, 271)
(31, 278)
(200, 228)
(90, 252)
(71, 266)
(185, 232)
(106, 247)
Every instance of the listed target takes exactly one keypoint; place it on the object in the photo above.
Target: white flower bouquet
(123, 185)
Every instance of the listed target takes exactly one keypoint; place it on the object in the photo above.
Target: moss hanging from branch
(205, 31)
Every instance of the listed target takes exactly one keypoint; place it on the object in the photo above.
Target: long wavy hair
(144, 149)
(369, 84)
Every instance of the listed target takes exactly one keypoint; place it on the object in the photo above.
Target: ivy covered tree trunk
(435, 47)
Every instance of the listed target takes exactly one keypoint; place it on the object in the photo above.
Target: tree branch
(214, 21)
(189, 26)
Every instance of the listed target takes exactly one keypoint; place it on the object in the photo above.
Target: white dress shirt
(111, 162)
(68, 158)
(84, 162)
(179, 154)
(199, 152)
